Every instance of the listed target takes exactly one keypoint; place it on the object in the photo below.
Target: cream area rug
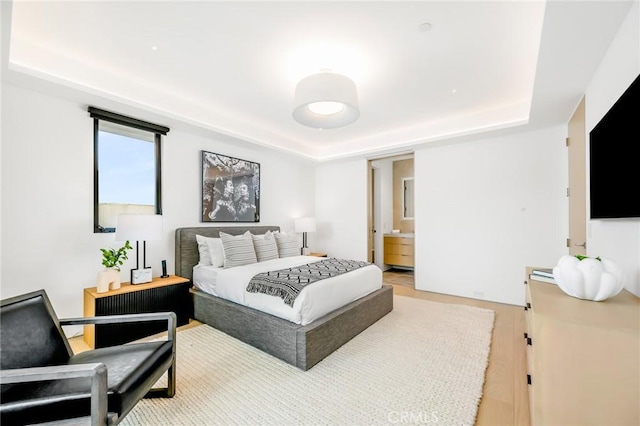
(423, 363)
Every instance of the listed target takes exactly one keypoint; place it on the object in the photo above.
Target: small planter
(108, 279)
(112, 259)
(588, 278)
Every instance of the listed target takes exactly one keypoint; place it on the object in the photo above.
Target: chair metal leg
(99, 396)
(171, 379)
(170, 390)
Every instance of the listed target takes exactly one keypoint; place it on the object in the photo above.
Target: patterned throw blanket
(288, 283)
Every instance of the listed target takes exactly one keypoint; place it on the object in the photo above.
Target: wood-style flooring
(505, 399)
(505, 395)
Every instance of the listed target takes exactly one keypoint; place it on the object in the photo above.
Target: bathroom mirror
(407, 198)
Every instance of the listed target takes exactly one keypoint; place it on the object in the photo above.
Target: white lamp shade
(305, 224)
(326, 90)
(139, 227)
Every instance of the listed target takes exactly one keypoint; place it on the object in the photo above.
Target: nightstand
(169, 294)
(316, 254)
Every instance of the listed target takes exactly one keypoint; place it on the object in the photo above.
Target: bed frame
(301, 346)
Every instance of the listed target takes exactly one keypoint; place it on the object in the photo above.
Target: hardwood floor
(505, 399)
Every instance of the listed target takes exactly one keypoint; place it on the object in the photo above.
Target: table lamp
(304, 225)
(139, 227)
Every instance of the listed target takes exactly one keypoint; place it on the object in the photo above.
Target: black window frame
(158, 131)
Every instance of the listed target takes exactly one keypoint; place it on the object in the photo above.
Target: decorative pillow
(287, 244)
(210, 250)
(216, 253)
(238, 249)
(203, 250)
(265, 246)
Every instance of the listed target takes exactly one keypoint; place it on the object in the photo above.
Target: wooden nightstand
(160, 295)
(318, 254)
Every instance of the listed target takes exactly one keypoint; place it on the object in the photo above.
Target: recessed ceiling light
(454, 91)
(154, 47)
(424, 27)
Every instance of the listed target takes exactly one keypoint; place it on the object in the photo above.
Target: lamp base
(141, 276)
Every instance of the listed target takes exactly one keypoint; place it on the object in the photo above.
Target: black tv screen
(614, 159)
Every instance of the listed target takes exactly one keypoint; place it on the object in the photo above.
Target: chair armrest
(170, 317)
(96, 371)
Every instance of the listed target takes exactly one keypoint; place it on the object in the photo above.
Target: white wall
(47, 194)
(617, 239)
(488, 208)
(341, 209)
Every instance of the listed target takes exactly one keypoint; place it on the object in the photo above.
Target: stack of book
(542, 274)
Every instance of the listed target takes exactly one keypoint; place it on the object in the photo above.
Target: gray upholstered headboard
(187, 255)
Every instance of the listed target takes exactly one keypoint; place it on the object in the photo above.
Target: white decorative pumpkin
(589, 279)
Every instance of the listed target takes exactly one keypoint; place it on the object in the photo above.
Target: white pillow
(203, 250)
(287, 244)
(265, 246)
(238, 249)
(216, 253)
(210, 250)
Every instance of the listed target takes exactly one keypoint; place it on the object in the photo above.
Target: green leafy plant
(581, 257)
(112, 258)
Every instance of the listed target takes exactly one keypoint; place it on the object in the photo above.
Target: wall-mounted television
(614, 159)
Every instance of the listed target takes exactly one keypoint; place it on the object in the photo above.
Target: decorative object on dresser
(139, 227)
(588, 278)
(304, 225)
(583, 358)
(230, 189)
(112, 259)
(44, 382)
(160, 295)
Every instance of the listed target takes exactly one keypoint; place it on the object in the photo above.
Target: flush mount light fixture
(326, 101)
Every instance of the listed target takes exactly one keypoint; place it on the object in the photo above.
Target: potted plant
(112, 259)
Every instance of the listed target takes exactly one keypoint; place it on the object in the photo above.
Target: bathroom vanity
(398, 249)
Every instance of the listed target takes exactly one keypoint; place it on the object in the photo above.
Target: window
(127, 168)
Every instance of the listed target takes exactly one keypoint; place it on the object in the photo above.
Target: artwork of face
(230, 189)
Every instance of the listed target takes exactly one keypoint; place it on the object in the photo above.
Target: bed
(300, 344)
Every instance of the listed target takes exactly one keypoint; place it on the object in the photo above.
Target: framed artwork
(230, 189)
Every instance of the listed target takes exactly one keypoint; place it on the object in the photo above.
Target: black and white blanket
(289, 282)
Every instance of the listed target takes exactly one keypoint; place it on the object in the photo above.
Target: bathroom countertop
(401, 234)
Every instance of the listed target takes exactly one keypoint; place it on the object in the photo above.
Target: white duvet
(313, 302)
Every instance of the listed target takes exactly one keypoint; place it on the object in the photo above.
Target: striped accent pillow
(265, 246)
(238, 249)
(287, 245)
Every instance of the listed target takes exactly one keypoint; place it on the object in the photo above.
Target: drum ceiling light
(326, 101)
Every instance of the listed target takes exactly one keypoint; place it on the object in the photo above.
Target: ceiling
(232, 66)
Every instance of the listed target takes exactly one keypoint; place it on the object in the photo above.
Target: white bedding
(313, 302)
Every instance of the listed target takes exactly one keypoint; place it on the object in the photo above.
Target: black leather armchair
(42, 380)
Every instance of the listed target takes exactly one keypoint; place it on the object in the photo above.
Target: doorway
(391, 219)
